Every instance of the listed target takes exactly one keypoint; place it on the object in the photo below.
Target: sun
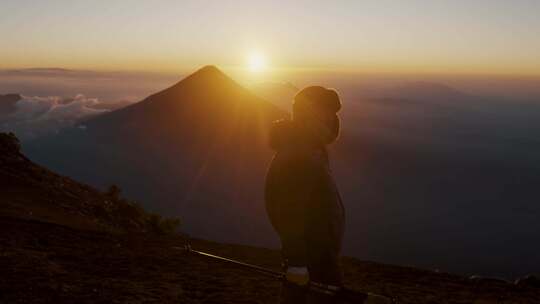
(257, 62)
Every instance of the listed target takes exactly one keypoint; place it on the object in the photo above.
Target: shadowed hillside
(31, 192)
(65, 242)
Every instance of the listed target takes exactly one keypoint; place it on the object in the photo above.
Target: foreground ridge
(59, 243)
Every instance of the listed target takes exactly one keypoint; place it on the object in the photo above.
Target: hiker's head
(315, 109)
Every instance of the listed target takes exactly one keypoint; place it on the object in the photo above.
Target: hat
(317, 98)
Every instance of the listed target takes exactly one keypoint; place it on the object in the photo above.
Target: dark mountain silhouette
(7, 104)
(48, 69)
(197, 148)
(66, 242)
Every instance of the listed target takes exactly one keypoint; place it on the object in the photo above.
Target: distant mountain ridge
(424, 90)
(279, 93)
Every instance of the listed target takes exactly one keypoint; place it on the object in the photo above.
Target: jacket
(302, 200)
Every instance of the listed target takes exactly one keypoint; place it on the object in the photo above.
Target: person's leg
(326, 277)
(294, 288)
(324, 251)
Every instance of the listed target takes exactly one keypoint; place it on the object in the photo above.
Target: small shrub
(130, 213)
(163, 225)
(114, 192)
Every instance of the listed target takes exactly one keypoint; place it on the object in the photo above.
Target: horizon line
(340, 70)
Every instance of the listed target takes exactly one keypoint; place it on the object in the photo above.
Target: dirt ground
(49, 263)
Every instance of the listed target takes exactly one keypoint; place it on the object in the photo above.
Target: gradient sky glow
(500, 37)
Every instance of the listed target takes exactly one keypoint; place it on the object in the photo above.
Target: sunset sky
(499, 37)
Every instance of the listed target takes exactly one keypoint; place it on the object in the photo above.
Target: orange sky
(495, 37)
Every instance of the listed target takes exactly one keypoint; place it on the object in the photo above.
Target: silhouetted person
(302, 200)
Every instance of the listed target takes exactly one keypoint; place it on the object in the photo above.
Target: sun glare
(257, 62)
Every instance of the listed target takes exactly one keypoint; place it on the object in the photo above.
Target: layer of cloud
(39, 115)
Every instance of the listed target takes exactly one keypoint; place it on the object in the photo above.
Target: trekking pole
(269, 272)
(345, 293)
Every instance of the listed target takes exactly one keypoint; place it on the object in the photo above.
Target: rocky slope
(65, 242)
(29, 191)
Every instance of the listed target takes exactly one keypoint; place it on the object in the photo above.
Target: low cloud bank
(37, 115)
